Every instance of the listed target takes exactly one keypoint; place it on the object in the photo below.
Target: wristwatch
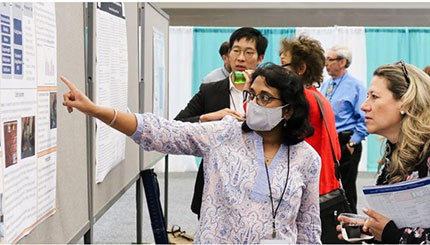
(352, 144)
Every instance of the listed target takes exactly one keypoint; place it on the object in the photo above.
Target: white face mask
(260, 118)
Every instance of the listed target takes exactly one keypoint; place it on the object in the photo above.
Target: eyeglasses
(248, 53)
(262, 99)
(405, 72)
(332, 59)
(286, 64)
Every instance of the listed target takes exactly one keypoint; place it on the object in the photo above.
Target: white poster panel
(159, 69)
(28, 85)
(111, 85)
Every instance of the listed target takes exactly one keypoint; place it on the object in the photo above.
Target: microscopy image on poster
(28, 146)
(53, 109)
(11, 143)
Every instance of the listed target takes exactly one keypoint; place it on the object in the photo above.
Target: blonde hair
(414, 138)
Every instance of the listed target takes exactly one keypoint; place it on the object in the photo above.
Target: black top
(211, 97)
(408, 235)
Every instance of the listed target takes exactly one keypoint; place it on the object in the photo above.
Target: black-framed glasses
(262, 99)
(333, 59)
(247, 53)
(286, 64)
(405, 71)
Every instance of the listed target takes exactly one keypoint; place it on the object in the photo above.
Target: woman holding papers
(397, 108)
(261, 178)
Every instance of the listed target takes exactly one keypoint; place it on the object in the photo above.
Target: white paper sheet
(406, 203)
(28, 85)
(158, 72)
(111, 85)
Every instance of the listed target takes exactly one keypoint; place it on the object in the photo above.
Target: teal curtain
(206, 58)
(419, 46)
(274, 36)
(207, 41)
(383, 46)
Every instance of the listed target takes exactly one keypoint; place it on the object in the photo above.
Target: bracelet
(114, 118)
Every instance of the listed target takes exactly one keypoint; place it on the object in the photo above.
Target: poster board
(154, 69)
(71, 219)
(123, 175)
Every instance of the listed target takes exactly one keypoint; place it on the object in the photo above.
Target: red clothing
(320, 141)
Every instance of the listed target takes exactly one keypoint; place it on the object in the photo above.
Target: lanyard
(332, 88)
(275, 211)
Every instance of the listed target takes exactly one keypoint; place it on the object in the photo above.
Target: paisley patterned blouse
(236, 204)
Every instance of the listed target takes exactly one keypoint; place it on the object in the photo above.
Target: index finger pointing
(68, 83)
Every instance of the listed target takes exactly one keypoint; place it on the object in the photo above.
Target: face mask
(260, 118)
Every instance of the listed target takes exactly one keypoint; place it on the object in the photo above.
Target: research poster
(28, 88)
(111, 83)
(159, 72)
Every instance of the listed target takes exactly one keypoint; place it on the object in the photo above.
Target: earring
(285, 123)
(402, 113)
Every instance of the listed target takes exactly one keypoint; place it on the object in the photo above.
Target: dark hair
(305, 50)
(250, 34)
(291, 91)
(223, 49)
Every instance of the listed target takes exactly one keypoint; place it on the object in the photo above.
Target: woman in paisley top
(397, 108)
(261, 178)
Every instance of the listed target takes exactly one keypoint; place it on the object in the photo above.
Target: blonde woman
(397, 107)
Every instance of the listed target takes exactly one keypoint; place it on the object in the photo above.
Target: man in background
(225, 97)
(222, 72)
(346, 94)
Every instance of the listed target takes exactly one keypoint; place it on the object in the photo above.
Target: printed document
(406, 203)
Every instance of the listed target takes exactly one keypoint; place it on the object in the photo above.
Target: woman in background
(305, 57)
(397, 107)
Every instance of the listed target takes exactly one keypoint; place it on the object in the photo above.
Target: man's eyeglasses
(262, 99)
(405, 72)
(286, 64)
(332, 59)
(248, 53)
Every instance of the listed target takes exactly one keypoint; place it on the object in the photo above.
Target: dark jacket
(210, 98)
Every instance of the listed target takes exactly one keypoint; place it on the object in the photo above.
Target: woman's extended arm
(121, 121)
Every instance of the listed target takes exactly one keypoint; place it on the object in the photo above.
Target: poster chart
(28, 123)
(111, 83)
(159, 72)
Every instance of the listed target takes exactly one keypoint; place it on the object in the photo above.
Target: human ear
(287, 112)
(260, 58)
(302, 69)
